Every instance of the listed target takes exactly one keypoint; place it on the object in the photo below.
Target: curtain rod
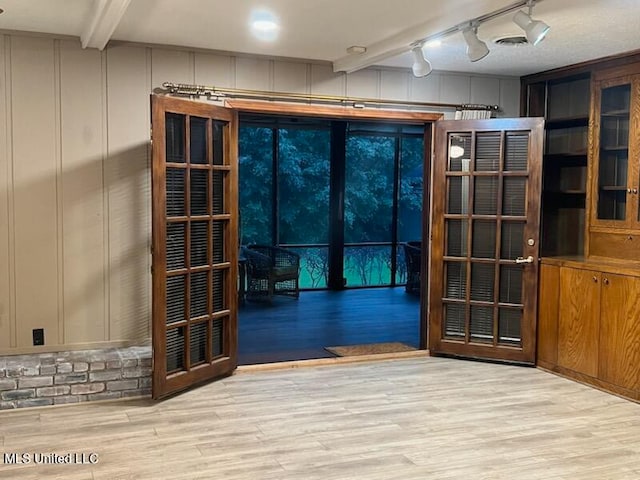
(355, 102)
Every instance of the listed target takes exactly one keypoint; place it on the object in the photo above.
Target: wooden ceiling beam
(105, 17)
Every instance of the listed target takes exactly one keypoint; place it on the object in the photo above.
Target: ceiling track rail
(216, 93)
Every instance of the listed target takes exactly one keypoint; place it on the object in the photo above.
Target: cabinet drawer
(625, 246)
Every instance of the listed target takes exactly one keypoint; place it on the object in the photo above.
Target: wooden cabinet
(590, 330)
(615, 153)
(614, 174)
(619, 351)
(579, 320)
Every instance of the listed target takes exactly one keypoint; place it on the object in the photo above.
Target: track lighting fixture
(535, 30)
(476, 48)
(421, 66)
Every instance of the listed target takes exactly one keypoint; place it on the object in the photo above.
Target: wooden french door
(485, 238)
(195, 245)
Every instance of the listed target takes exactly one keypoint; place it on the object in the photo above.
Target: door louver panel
(175, 246)
(198, 294)
(175, 192)
(516, 152)
(198, 343)
(176, 299)
(175, 349)
(454, 318)
(199, 192)
(488, 152)
(199, 243)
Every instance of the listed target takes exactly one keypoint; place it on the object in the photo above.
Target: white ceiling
(323, 29)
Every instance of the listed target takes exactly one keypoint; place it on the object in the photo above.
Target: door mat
(369, 349)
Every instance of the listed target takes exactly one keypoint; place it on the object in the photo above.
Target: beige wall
(74, 171)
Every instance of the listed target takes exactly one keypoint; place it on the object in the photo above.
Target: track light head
(535, 30)
(476, 48)
(421, 66)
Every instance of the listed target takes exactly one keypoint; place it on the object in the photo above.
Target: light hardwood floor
(418, 418)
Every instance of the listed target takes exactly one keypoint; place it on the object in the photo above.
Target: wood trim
(294, 109)
(594, 382)
(584, 67)
(427, 185)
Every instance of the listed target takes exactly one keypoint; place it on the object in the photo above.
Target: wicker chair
(271, 271)
(413, 260)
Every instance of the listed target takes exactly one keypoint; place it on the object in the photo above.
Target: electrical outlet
(38, 336)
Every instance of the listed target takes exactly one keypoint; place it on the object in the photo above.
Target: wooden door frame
(391, 116)
(532, 230)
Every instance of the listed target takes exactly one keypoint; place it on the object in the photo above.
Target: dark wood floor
(290, 329)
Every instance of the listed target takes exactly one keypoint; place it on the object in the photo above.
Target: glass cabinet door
(613, 154)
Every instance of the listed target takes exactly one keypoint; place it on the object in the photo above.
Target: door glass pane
(217, 336)
(482, 282)
(217, 235)
(175, 192)
(512, 244)
(514, 196)
(176, 298)
(459, 152)
(198, 343)
(510, 326)
(218, 192)
(175, 246)
(516, 155)
(198, 294)
(481, 324)
(218, 143)
(484, 239)
(198, 137)
(456, 280)
(218, 292)
(175, 147)
(175, 349)
(199, 243)
(367, 266)
(454, 315)
(457, 238)
(199, 192)
(458, 195)
(511, 284)
(485, 196)
(488, 152)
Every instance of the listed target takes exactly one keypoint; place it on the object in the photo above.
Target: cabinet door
(578, 323)
(620, 331)
(615, 176)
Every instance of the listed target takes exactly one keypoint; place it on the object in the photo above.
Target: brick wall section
(72, 377)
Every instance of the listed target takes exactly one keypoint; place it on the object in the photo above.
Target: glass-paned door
(485, 228)
(195, 244)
